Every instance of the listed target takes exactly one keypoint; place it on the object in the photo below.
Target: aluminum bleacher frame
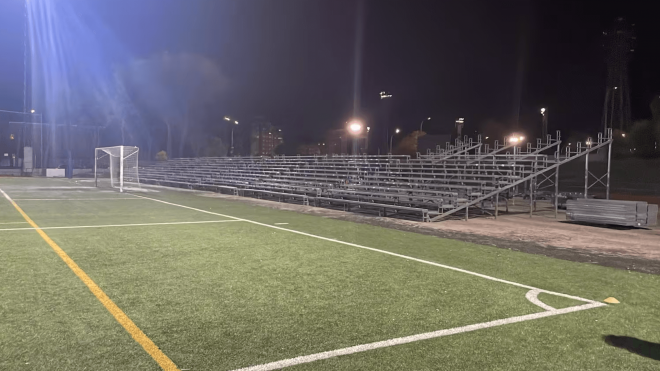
(466, 175)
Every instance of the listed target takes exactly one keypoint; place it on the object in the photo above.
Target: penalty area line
(413, 338)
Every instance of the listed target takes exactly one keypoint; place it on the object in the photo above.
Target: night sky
(293, 60)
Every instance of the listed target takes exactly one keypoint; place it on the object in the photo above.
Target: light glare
(355, 127)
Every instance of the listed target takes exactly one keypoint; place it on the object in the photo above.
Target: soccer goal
(116, 167)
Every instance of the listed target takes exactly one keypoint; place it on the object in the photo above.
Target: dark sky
(292, 60)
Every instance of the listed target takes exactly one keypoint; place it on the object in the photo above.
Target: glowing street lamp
(544, 123)
(397, 131)
(355, 127)
(422, 124)
(516, 138)
(231, 148)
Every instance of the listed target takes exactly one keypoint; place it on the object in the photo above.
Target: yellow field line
(164, 361)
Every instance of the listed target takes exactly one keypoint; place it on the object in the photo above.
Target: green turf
(228, 295)
(558, 302)
(49, 320)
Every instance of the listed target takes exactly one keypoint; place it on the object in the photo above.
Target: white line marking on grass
(413, 338)
(15, 223)
(380, 251)
(75, 199)
(407, 339)
(281, 223)
(532, 296)
(121, 225)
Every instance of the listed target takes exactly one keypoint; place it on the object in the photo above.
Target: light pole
(422, 124)
(544, 123)
(355, 128)
(397, 131)
(231, 148)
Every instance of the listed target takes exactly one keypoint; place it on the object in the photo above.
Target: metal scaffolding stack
(465, 177)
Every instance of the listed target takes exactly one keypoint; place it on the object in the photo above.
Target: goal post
(116, 167)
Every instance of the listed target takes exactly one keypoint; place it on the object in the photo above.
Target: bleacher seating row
(395, 184)
(466, 174)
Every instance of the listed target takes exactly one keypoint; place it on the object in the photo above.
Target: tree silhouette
(175, 88)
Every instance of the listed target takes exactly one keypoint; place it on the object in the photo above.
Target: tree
(288, 148)
(123, 110)
(643, 139)
(176, 88)
(408, 145)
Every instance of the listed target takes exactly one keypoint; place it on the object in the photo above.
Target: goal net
(116, 167)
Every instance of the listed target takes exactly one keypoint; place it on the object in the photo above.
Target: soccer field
(99, 280)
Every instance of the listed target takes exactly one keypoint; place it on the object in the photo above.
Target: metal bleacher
(466, 176)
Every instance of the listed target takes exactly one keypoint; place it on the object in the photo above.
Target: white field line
(380, 251)
(120, 225)
(281, 223)
(15, 223)
(409, 339)
(75, 199)
(532, 296)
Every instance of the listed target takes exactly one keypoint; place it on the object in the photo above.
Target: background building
(265, 138)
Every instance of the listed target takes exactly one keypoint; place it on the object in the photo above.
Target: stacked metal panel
(614, 212)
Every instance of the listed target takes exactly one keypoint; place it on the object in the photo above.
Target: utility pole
(619, 46)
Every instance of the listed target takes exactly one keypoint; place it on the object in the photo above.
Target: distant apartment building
(265, 138)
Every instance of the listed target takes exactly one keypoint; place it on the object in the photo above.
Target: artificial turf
(229, 295)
